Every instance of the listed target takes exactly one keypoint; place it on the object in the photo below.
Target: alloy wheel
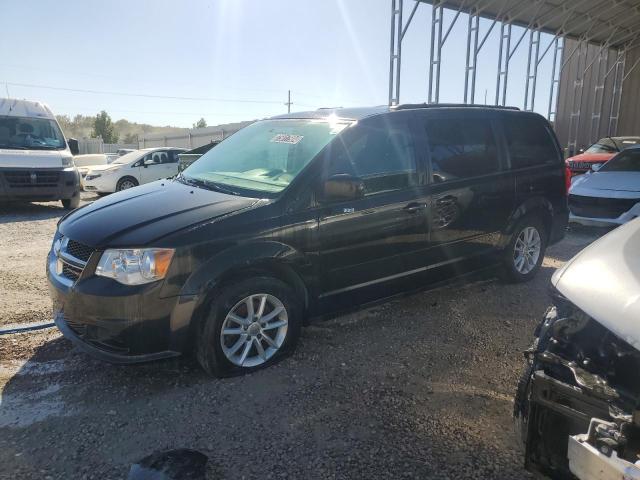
(526, 251)
(125, 185)
(254, 330)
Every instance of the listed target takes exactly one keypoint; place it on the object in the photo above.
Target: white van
(36, 162)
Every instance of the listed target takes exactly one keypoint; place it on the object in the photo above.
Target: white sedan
(610, 194)
(133, 169)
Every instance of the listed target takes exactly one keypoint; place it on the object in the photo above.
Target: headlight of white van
(135, 266)
(67, 161)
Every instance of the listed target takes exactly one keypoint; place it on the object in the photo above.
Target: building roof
(599, 21)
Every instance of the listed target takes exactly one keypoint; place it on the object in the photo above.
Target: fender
(240, 257)
(533, 204)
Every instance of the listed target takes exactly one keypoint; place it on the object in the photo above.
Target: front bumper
(118, 323)
(38, 184)
(105, 183)
(607, 222)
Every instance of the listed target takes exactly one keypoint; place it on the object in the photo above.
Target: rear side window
(529, 142)
(380, 151)
(461, 148)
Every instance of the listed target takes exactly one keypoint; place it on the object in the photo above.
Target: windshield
(30, 133)
(627, 161)
(129, 157)
(265, 156)
(606, 145)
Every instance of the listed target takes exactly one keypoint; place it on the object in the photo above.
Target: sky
(232, 60)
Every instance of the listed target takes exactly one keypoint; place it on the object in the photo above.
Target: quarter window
(461, 148)
(380, 151)
(529, 142)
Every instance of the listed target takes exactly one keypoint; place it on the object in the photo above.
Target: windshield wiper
(207, 184)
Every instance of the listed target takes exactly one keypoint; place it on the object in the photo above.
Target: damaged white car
(578, 402)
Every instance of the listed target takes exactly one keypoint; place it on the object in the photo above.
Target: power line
(145, 95)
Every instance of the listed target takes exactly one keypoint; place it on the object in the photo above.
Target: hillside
(81, 126)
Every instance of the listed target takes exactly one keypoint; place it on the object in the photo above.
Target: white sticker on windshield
(284, 138)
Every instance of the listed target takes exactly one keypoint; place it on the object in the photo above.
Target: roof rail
(410, 106)
(329, 108)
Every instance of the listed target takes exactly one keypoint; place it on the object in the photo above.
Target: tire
(528, 231)
(71, 203)
(126, 183)
(222, 355)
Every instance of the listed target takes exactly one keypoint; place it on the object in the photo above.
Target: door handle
(415, 207)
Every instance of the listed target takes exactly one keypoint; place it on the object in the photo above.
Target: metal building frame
(560, 20)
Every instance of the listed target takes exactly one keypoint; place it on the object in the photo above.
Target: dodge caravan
(35, 159)
(298, 216)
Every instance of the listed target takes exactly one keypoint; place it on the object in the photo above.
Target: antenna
(288, 103)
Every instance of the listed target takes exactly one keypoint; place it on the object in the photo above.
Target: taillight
(567, 177)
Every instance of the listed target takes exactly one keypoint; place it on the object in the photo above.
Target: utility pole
(288, 104)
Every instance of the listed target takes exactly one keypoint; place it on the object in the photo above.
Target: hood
(592, 157)
(604, 281)
(106, 166)
(608, 181)
(15, 158)
(141, 215)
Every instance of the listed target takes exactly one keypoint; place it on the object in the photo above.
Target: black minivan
(298, 216)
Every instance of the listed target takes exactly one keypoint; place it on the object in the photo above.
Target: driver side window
(379, 151)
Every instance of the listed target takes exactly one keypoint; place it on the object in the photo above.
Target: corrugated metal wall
(597, 103)
(191, 138)
(629, 123)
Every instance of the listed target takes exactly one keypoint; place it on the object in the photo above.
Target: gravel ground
(418, 387)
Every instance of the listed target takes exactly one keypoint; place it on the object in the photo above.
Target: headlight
(67, 161)
(91, 176)
(136, 266)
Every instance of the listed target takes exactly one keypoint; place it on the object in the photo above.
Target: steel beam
(395, 55)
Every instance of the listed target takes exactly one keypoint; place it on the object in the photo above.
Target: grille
(26, 179)
(595, 207)
(79, 250)
(97, 336)
(71, 272)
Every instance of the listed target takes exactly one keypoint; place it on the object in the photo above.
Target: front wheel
(71, 203)
(251, 325)
(126, 183)
(524, 253)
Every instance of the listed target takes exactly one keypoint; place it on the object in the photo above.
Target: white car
(133, 169)
(609, 195)
(576, 405)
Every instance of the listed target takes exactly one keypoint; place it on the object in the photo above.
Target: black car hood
(138, 216)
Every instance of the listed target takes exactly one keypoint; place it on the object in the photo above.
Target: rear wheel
(126, 183)
(525, 251)
(251, 325)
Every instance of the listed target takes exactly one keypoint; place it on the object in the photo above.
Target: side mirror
(151, 161)
(596, 166)
(73, 146)
(342, 187)
(581, 150)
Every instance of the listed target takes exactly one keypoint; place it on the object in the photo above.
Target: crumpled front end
(578, 402)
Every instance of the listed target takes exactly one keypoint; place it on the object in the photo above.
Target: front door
(371, 240)
(157, 165)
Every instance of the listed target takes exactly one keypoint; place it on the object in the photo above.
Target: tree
(200, 123)
(103, 127)
(130, 138)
